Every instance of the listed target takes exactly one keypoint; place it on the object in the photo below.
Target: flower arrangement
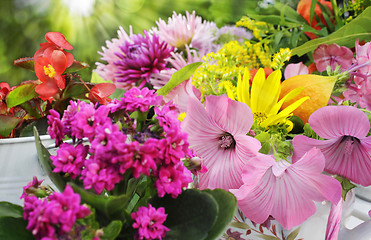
(221, 133)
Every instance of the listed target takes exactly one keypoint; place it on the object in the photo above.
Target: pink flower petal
(336, 121)
(334, 219)
(294, 69)
(232, 116)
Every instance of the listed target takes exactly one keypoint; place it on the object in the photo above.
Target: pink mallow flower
(332, 55)
(347, 149)
(218, 135)
(149, 222)
(285, 191)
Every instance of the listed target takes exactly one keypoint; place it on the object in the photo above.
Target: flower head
(187, 30)
(285, 191)
(149, 222)
(55, 127)
(347, 149)
(263, 98)
(218, 135)
(332, 55)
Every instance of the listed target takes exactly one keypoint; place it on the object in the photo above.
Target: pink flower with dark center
(149, 222)
(332, 55)
(285, 191)
(70, 159)
(218, 135)
(347, 149)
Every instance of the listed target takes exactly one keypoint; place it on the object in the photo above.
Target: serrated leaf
(111, 231)
(359, 28)
(21, 94)
(8, 209)
(227, 204)
(293, 234)
(240, 225)
(46, 163)
(26, 63)
(178, 77)
(7, 124)
(112, 207)
(189, 216)
(14, 229)
(76, 66)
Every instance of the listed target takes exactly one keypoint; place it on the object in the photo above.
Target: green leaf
(8, 209)
(119, 93)
(178, 77)
(112, 207)
(312, 9)
(189, 216)
(95, 78)
(76, 66)
(14, 229)
(240, 225)
(21, 94)
(7, 124)
(293, 234)
(26, 63)
(111, 231)
(289, 13)
(227, 204)
(359, 28)
(46, 163)
(75, 90)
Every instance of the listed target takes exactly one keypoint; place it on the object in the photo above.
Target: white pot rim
(22, 139)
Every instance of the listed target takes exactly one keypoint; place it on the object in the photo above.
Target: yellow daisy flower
(263, 97)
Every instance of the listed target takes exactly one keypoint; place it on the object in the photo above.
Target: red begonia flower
(101, 92)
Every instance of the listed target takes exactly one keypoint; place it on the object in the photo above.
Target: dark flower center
(348, 142)
(227, 141)
(134, 51)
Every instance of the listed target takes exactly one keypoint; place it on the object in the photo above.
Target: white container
(18, 164)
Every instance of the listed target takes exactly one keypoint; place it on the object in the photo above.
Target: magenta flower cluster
(53, 216)
(149, 222)
(110, 153)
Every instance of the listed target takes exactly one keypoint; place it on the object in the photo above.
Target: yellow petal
(257, 91)
(229, 91)
(272, 87)
(274, 110)
(243, 88)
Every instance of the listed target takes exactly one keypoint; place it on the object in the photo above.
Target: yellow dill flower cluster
(280, 58)
(357, 7)
(224, 66)
(259, 29)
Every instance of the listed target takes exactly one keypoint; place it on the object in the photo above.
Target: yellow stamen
(49, 71)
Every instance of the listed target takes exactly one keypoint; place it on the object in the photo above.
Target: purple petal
(232, 116)
(336, 121)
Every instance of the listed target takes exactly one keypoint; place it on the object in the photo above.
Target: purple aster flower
(140, 99)
(55, 128)
(149, 222)
(191, 30)
(332, 55)
(172, 179)
(140, 57)
(346, 147)
(70, 159)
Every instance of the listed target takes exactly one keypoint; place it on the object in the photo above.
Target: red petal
(101, 92)
(40, 53)
(47, 89)
(39, 68)
(58, 39)
(59, 61)
(70, 58)
(60, 81)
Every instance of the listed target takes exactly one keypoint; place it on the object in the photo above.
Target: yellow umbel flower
(263, 97)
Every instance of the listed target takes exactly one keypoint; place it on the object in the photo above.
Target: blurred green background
(87, 24)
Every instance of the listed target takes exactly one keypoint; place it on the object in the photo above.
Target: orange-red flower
(101, 92)
(303, 9)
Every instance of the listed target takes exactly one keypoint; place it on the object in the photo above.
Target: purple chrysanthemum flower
(191, 30)
(149, 222)
(140, 99)
(140, 57)
(172, 179)
(55, 128)
(70, 159)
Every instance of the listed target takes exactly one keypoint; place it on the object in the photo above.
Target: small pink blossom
(346, 147)
(332, 55)
(285, 191)
(294, 69)
(149, 222)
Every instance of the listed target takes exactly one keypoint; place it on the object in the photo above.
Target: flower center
(260, 117)
(227, 141)
(49, 71)
(349, 143)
